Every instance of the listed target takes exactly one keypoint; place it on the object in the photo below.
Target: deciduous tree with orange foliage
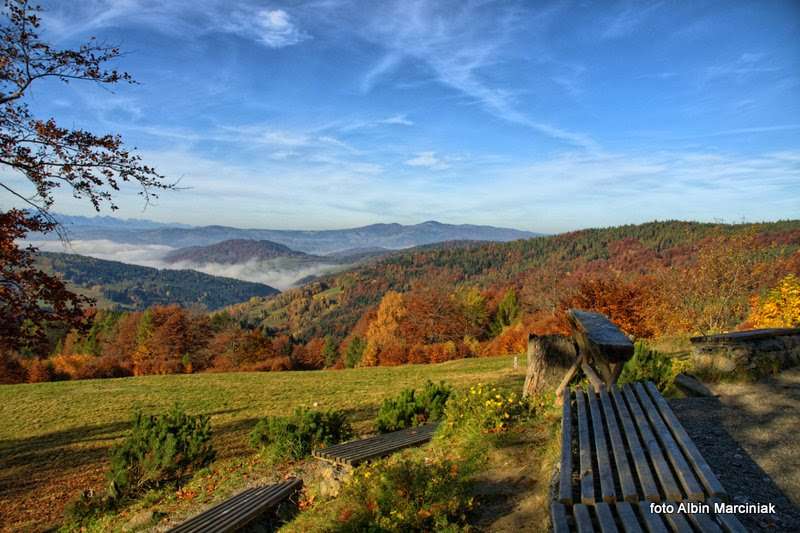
(779, 308)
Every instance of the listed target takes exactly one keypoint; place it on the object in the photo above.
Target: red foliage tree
(49, 157)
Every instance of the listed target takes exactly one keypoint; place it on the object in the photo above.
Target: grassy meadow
(55, 437)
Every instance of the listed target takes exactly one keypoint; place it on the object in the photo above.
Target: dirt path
(749, 435)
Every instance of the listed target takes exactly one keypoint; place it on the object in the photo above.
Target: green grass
(55, 437)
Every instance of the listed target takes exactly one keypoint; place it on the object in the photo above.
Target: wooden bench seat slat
(585, 448)
(729, 522)
(359, 448)
(679, 523)
(605, 518)
(652, 521)
(420, 431)
(583, 520)
(668, 483)
(217, 516)
(694, 491)
(643, 471)
(558, 516)
(602, 454)
(565, 475)
(626, 481)
(355, 452)
(703, 470)
(703, 522)
(239, 511)
(627, 517)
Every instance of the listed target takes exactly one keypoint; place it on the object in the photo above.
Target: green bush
(294, 437)
(411, 408)
(159, 449)
(648, 364)
(405, 493)
(485, 408)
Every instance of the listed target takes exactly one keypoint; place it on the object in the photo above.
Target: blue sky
(541, 116)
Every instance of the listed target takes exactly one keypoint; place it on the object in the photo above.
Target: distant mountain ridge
(134, 287)
(391, 236)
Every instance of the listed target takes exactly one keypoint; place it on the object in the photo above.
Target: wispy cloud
(629, 16)
(400, 120)
(427, 160)
(187, 19)
(458, 43)
(273, 28)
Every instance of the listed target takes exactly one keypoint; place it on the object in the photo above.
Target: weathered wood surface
(597, 336)
(751, 334)
(241, 510)
(692, 386)
(631, 447)
(634, 518)
(549, 357)
(586, 473)
(565, 474)
(356, 452)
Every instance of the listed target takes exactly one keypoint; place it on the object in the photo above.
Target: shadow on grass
(40, 462)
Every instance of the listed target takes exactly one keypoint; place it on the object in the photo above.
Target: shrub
(411, 408)
(159, 449)
(405, 493)
(647, 364)
(294, 437)
(485, 408)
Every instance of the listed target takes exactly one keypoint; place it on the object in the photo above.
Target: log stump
(549, 357)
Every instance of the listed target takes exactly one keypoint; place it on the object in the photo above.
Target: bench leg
(567, 378)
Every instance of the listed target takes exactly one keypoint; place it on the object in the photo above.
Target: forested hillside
(454, 300)
(124, 286)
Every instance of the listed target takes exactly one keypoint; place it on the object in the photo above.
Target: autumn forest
(453, 300)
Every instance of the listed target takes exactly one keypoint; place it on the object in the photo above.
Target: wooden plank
(583, 520)
(598, 336)
(652, 521)
(354, 452)
(728, 522)
(601, 452)
(692, 386)
(694, 491)
(585, 451)
(239, 511)
(565, 475)
(627, 517)
(678, 523)
(558, 516)
(643, 471)
(594, 379)
(624, 473)
(663, 473)
(707, 477)
(605, 518)
(703, 523)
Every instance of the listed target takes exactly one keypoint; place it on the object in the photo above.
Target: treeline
(443, 303)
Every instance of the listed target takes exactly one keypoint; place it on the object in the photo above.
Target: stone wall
(746, 354)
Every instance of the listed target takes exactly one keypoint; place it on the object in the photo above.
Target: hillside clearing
(60, 445)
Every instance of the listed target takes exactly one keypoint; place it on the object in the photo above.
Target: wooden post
(549, 356)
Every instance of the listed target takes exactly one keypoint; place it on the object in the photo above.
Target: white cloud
(427, 160)
(400, 120)
(276, 29)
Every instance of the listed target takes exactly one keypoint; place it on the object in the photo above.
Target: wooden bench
(241, 510)
(355, 452)
(621, 449)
